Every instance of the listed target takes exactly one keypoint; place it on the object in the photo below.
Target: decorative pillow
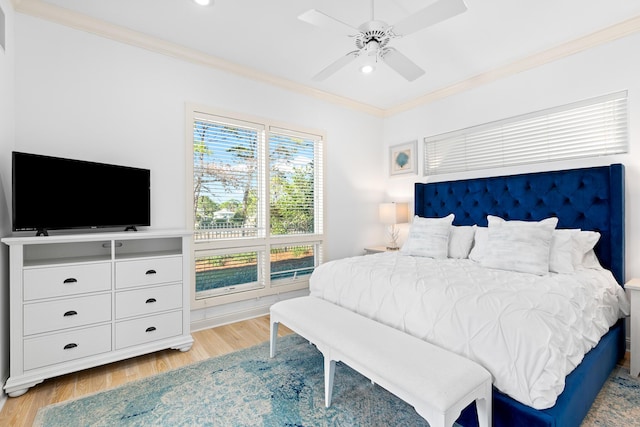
(590, 260)
(428, 237)
(461, 240)
(562, 251)
(522, 246)
(583, 255)
(480, 242)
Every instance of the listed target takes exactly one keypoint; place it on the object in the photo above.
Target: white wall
(7, 96)
(605, 69)
(87, 97)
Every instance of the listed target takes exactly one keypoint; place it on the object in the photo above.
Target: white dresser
(83, 300)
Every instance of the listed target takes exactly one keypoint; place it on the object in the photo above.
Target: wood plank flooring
(21, 411)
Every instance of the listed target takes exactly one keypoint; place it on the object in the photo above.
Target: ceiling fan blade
(335, 66)
(322, 20)
(401, 64)
(430, 15)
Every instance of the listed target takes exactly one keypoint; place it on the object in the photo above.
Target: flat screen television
(51, 193)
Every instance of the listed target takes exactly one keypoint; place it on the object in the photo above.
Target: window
(595, 127)
(257, 205)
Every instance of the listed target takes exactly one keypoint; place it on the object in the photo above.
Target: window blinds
(292, 167)
(227, 176)
(594, 127)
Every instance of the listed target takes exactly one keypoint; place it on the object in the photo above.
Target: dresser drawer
(148, 300)
(147, 329)
(49, 282)
(150, 271)
(67, 313)
(65, 346)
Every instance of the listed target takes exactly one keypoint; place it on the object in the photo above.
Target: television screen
(56, 193)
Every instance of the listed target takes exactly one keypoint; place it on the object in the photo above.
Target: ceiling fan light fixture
(203, 2)
(367, 69)
(373, 37)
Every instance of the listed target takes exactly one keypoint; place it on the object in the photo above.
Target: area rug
(247, 388)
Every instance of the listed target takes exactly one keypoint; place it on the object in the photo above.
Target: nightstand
(376, 250)
(633, 286)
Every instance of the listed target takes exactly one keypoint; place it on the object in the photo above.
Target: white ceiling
(266, 36)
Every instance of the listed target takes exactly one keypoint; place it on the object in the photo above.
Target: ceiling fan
(372, 38)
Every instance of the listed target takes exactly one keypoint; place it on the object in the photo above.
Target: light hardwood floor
(21, 411)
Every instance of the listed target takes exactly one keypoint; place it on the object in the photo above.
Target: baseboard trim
(236, 312)
(228, 318)
(3, 399)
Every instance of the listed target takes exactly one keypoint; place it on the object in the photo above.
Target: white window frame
(264, 241)
(589, 128)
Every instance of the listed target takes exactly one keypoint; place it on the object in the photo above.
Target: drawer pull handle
(108, 245)
(150, 329)
(70, 313)
(150, 300)
(150, 272)
(70, 346)
(70, 280)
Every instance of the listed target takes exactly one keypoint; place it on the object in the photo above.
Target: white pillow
(522, 246)
(461, 240)
(590, 260)
(480, 242)
(584, 241)
(428, 237)
(562, 251)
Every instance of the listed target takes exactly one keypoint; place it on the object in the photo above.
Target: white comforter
(528, 331)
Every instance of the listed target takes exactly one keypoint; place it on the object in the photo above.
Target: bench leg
(274, 338)
(435, 419)
(484, 409)
(329, 372)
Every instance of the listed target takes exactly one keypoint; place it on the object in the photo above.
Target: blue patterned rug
(247, 388)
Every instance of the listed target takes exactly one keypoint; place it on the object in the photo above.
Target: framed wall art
(403, 158)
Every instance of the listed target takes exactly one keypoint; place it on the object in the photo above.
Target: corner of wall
(7, 143)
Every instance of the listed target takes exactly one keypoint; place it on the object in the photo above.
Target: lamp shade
(394, 213)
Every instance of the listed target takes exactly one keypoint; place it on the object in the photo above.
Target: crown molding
(606, 35)
(69, 18)
(101, 28)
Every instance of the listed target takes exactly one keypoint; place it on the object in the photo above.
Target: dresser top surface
(95, 236)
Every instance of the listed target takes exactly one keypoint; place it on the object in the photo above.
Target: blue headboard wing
(587, 198)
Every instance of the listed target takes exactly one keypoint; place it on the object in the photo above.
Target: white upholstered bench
(439, 384)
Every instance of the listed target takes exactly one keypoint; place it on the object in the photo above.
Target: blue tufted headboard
(589, 199)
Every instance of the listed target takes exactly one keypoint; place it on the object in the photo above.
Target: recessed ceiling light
(367, 69)
(203, 2)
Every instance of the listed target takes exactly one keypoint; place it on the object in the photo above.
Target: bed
(587, 199)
